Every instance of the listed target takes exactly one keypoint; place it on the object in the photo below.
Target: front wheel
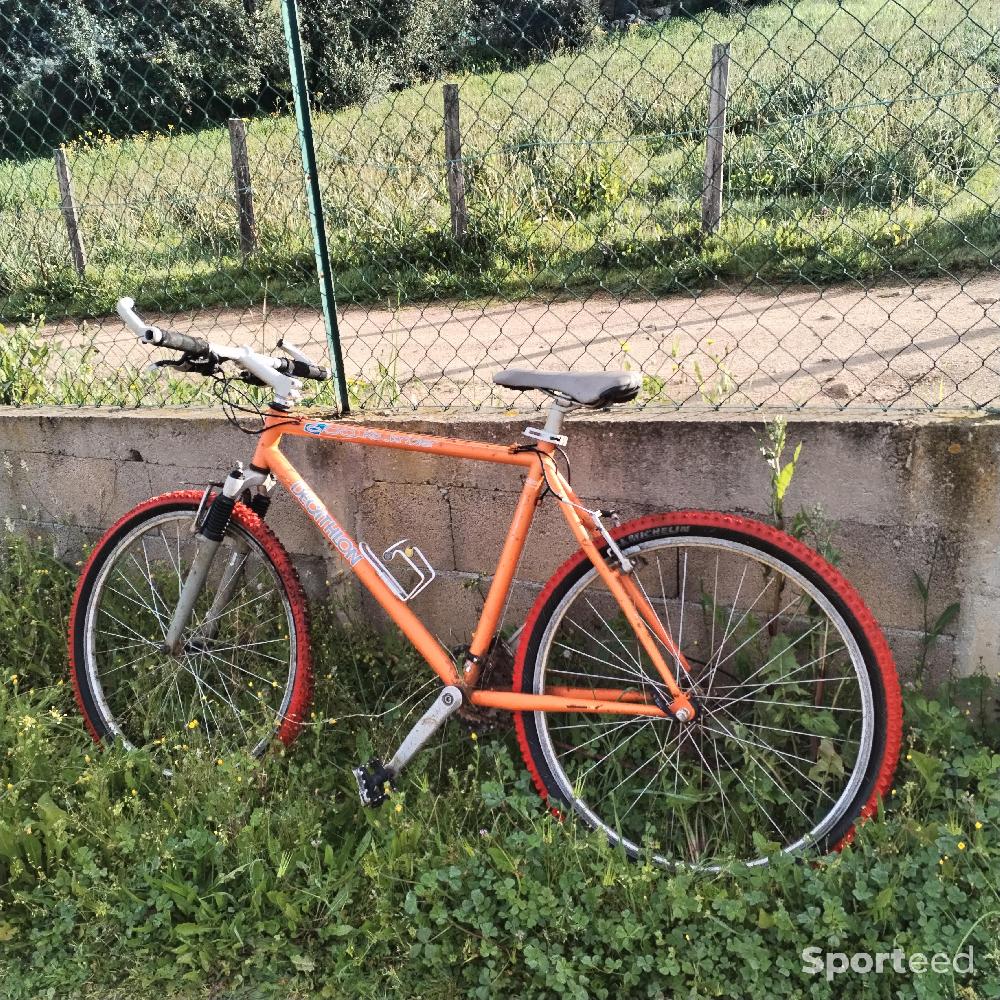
(798, 707)
(242, 676)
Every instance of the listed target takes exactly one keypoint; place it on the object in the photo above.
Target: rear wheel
(243, 674)
(798, 709)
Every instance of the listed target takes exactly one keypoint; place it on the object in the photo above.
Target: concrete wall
(917, 495)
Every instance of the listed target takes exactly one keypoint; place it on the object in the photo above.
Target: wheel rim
(232, 685)
(785, 722)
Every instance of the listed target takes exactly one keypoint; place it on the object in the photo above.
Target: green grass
(250, 880)
(584, 172)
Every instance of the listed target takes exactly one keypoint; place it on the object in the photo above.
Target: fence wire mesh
(768, 206)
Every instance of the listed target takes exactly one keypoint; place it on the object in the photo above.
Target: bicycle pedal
(374, 782)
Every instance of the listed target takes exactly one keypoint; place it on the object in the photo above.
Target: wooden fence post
(69, 211)
(711, 196)
(244, 190)
(453, 160)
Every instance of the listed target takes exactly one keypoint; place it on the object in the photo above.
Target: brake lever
(293, 352)
(207, 366)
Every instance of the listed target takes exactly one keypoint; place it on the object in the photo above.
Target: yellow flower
(193, 724)
(399, 807)
(13, 679)
(219, 761)
(909, 756)
(979, 825)
(134, 792)
(961, 845)
(10, 787)
(473, 736)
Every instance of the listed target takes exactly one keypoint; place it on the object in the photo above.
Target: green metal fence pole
(303, 117)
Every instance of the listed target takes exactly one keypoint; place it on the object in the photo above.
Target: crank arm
(446, 704)
(374, 777)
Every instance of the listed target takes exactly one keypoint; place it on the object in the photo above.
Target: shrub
(129, 66)
(533, 29)
(362, 47)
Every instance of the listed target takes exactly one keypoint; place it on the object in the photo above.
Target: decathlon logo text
(326, 522)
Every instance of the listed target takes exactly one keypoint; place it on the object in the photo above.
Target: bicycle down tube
(540, 472)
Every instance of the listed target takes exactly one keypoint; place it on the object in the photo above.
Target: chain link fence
(767, 206)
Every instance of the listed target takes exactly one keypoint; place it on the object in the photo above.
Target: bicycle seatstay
(540, 468)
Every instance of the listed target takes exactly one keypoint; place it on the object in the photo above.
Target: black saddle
(586, 388)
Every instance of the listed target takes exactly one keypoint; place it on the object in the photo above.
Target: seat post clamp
(538, 434)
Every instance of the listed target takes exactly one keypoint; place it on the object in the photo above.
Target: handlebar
(280, 373)
(177, 341)
(303, 369)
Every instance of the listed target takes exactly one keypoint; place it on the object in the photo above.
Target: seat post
(557, 412)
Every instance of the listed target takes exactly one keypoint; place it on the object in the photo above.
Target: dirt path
(910, 346)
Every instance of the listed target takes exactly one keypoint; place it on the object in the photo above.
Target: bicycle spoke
(234, 682)
(636, 664)
(787, 757)
(752, 762)
(600, 736)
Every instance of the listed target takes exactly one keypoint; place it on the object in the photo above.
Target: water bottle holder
(414, 559)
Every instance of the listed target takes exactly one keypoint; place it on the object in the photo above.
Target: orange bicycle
(699, 686)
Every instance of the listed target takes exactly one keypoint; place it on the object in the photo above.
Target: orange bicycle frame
(540, 470)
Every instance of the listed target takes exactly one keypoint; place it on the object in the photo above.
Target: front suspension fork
(232, 577)
(210, 533)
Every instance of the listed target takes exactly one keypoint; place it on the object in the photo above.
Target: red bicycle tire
(242, 515)
(853, 608)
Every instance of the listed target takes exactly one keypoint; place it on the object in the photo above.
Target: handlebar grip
(177, 341)
(302, 369)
